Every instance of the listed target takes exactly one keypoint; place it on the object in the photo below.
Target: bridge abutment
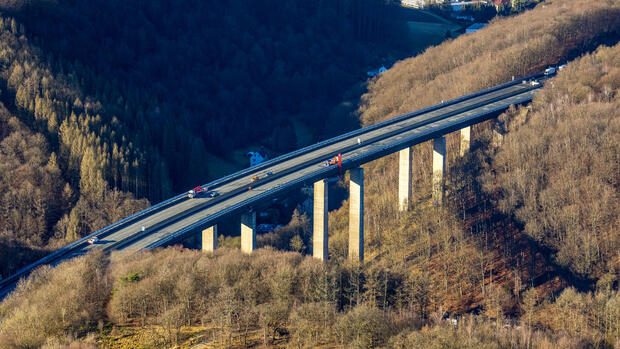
(319, 222)
(248, 232)
(209, 239)
(404, 179)
(356, 214)
(439, 166)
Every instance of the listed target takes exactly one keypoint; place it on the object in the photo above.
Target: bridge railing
(99, 233)
(363, 130)
(347, 163)
(231, 177)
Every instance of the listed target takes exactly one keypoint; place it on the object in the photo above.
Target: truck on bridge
(199, 190)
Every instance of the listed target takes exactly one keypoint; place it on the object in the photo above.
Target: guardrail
(99, 233)
(229, 178)
(313, 147)
(363, 130)
(349, 163)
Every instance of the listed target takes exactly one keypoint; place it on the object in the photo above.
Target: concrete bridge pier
(319, 234)
(209, 239)
(404, 179)
(356, 214)
(465, 140)
(439, 166)
(248, 232)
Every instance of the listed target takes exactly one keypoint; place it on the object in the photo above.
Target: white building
(413, 3)
(376, 72)
(256, 157)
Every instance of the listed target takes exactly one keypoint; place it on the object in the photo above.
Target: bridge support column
(209, 239)
(404, 179)
(248, 232)
(356, 214)
(439, 166)
(320, 237)
(465, 140)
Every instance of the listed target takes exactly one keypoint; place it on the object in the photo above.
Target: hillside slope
(129, 102)
(547, 35)
(489, 254)
(208, 77)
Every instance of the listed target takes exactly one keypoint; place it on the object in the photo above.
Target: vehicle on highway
(195, 192)
(93, 240)
(212, 194)
(549, 71)
(534, 83)
(337, 160)
(254, 179)
(328, 163)
(269, 173)
(174, 218)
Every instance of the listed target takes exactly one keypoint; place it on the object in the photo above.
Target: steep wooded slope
(460, 257)
(131, 100)
(201, 78)
(558, 168)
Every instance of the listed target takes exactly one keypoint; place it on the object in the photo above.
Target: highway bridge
(172, 220)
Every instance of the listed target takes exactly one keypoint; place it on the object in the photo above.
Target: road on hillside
(181, 216)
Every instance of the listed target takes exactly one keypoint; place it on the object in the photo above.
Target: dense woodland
(472, 62)
(524, 252)
(558, 168)
(108, 104)
(201, 77)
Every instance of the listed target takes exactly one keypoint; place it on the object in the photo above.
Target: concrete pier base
(356, 214)
(439, 166)
(465, 140)
(404, 179)
(248, 232)
(319, 235)
(209, 239)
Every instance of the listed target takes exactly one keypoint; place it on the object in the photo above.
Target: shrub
(362, 327)
(66, 300)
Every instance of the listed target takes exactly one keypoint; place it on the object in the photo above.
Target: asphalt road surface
(181, 216)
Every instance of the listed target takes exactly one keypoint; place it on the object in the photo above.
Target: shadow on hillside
(16, 254)
(519, 254)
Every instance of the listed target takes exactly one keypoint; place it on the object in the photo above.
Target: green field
(221, 167)
(424, 34)
(425, 28)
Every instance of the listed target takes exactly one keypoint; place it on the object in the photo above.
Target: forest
(174, 75)
(523, 253)
(94, 130)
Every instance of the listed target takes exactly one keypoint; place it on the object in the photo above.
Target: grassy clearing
(424, 34)
(125, 337)
(191, 337)
(224, 166)
(415, 15)
(303, 133)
